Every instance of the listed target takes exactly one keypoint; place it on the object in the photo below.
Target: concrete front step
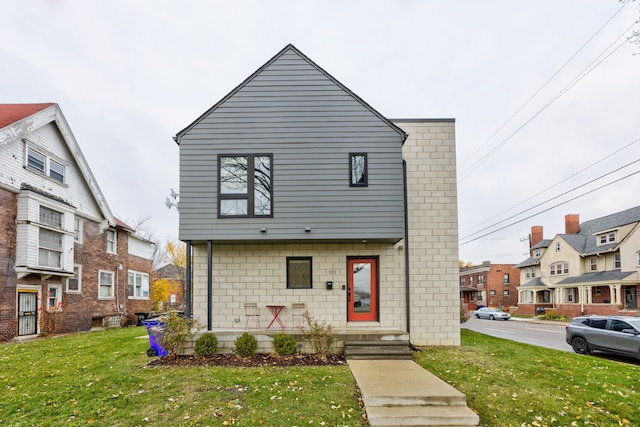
(402, 393)
(450, 416)
(398, 350)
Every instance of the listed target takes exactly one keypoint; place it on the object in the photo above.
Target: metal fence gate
(27, 313)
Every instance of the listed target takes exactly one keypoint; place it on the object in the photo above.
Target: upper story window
(559, 268)
(138, 285)
(50, 242)
(77, 230)
(605, 238)
(537, 253)
(45, 165)
(470, 280)
(244, 185)
(638, 258)
(112, 241)
(616, 261)
(557, 246)
(506, 278)
(358, 170)
(593, 263)
(531, 272)
(480, 279)
(462, 281)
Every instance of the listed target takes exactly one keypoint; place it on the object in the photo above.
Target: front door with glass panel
(362, 292)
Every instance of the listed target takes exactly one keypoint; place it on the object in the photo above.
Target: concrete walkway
(402, 393)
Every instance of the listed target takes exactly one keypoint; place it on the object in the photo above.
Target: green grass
(520, 385)
(101, 378)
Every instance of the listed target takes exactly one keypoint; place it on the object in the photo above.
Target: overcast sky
(540, 90)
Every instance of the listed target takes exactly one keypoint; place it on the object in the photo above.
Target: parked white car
(491, 313)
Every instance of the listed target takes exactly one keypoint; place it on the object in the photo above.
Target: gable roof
(18, 120)
(287, 49)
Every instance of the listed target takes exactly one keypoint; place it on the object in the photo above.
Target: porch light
(307, 229)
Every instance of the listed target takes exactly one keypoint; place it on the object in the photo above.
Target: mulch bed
(259, 360)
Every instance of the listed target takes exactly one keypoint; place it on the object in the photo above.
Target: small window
(558, 247)
(603, 239)
(112, 241)
(54, 298)
(470, 280)
(40, 163)
(50, 217)
(506, 279)
(505, 292)
(36, 160)
(616, 261)
(480, 279)
(462, 281)
(105, 284)
(593, 263)
(570, 294)
(479, 295)
(358, 170)
(299, 273)
(77, 230)
(74, 284)
(56, 171)
(492, 293)
(537, 253)
(612, 237)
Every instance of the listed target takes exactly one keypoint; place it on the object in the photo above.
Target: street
(540, 334)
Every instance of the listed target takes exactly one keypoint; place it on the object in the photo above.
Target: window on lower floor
(505, 293)
(54, 298)
(492, 293)
(74, 284)
(105, 284)
(570, 294)
(299, 273)
(138, 285)
(506, 279)
(479, 296)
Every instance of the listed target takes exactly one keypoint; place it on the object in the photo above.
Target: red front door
(362, 293)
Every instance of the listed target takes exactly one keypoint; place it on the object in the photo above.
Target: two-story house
(293, 190)
(492, 285)
(67, 263)
(593, 268)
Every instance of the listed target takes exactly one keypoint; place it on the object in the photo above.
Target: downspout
(187, 282)
(209, 285)
(406, 253)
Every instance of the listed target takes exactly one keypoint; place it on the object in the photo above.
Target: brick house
(491, 285)
(593, 268)
(67, 263)
(293, 190)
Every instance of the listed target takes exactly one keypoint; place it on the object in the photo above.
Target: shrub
(320, 335)
(175, 332)
(246, 345)
(206, 345)
(463, 316)
(284, 345)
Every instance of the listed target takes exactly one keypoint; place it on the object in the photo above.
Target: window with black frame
(299, 273)
(358, 172)
(244, 188)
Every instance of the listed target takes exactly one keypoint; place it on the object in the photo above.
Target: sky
(544, 93)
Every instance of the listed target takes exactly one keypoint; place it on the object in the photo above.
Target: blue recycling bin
(154, 329)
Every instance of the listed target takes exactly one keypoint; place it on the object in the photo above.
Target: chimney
(536, 235)
(572, 224)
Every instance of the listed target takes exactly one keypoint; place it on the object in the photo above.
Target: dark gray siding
(309, 123)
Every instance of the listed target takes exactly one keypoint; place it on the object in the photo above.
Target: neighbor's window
(244, 185)
(616, 261)
(480, 279)
(112, 241)
(470, 280)
(74, 284)
(54, 298)
(358, 170)
(462, 281)
(299, 273)
(593, 263)
(559, 268)
(537, 253)
(105, 284)
(479, 296)
(40, 163)
(558, 247)
(77, 230)
(506, 279)
(138, 284)
(492, 293)
(505, 293)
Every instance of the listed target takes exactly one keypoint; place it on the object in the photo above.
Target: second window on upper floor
(358, 172)
(112, 241)
(559, 268)
(244, 185)
(45, 165)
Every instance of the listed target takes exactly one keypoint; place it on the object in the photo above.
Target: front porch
(380, 341)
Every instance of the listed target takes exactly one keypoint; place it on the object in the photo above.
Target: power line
(552, 186)
(550, 208)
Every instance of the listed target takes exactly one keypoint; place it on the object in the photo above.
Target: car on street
(491, 313)
(612, 334)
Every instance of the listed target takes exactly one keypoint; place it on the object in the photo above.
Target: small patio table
(276, 310)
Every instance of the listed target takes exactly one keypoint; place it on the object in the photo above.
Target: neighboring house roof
(529, 262)
(286, 49)
(124, 225)
(537, 282)
(597, 276)
(171, 271)
(544, 243)
(18, 120)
